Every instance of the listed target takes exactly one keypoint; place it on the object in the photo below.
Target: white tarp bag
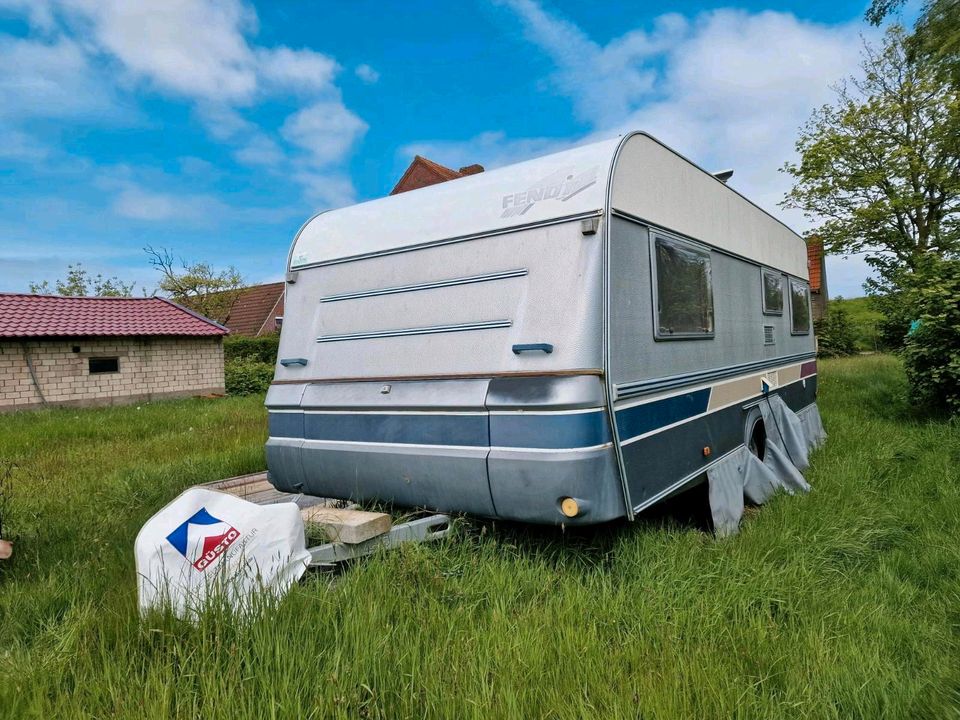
(208, 543)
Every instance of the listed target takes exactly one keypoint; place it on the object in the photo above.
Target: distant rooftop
(424, 172)
(33, 316)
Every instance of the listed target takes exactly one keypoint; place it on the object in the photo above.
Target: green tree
(931, 352)
(879, 168)
(197, 286)
(937, 32)
(80, 283)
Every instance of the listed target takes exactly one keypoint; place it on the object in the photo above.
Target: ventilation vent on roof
(768, 338)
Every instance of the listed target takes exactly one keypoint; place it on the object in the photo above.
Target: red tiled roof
(256, 309)
(25, 316)
(815, 263)
(424, 172)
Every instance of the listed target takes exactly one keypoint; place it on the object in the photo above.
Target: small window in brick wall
(104, 365)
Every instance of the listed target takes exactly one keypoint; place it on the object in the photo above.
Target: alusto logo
(202, 538)
(561, 185)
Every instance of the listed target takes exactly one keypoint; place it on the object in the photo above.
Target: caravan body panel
(491, 344)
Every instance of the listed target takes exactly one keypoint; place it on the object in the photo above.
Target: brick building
(104, 351)
(817, 267)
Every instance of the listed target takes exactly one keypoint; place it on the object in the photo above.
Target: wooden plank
(249, 489)
(238, 481)
(348, 526)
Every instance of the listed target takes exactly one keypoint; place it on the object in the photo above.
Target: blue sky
(215, 128)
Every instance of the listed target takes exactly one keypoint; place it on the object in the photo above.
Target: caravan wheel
(755, 433)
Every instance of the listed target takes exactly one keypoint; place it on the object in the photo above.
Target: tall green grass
(838, 604)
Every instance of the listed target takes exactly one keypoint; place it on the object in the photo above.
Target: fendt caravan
(564, 340)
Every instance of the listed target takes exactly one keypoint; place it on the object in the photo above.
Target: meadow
(843, 603)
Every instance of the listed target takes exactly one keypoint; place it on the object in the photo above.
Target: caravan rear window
(799, 308)
(684, 290)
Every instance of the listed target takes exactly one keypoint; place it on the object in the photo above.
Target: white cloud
(197, 50)
(50, 79)
(366, 73)
(603, 82)
(135, 203)
(261, 150)
(728, 88)
(327, 130)
(190, 47)
(297, 70)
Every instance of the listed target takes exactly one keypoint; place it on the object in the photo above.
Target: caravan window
(799, 308)
(772, 293)
(684, 290)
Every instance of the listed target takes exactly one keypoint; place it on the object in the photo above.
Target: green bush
(836, 336)
(932, 351)
(262, 349)
(246, 376)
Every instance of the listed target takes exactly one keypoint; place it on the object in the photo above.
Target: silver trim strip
(588, 448)
(470, 279)
(646, 387)
(428, 330)
(445, 241)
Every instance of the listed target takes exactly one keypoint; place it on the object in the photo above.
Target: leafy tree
(197, 286)
(937, 32)
(836, 336)
(932, 351)
(880, 168)
(80, 283)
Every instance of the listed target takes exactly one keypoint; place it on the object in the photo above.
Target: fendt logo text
(202, 538)
(561, 185)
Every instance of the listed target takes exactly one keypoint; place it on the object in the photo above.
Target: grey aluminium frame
(805, 285)
(764, 272)
(656, 234)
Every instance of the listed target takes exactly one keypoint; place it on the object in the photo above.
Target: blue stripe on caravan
(574, 430)
(285, 424)
(571, 430)
(641, 419)
(425, 429)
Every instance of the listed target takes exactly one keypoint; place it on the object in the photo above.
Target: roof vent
(723, 175)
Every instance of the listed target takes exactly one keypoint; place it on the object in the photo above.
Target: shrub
(247, 376)
(932, 351)
(836, 336)
(262, 349)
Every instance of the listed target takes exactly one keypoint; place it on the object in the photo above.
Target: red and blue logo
(203, 538)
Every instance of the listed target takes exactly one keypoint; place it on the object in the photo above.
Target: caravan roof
(651, 183)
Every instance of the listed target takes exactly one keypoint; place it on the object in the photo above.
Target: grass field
(844, 603)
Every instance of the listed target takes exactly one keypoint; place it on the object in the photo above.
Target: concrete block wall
(149, 368)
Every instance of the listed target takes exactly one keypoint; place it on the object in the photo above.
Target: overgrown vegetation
(865, 319)
(841, 603)
(249, 363)
(261, 349)
(243, 376)
(835, 334)
(932, 350)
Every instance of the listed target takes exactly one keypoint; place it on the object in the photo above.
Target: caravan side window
(684, 290)
(772, 293)
(799, 308)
